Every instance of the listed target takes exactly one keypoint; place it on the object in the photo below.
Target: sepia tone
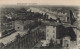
(39, 27)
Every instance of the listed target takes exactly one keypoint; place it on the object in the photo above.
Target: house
(66, 42)
(19, 25)
(23, 25)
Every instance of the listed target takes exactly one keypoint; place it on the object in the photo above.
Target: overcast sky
(43, 2)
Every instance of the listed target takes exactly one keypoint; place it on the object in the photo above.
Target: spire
(71, 18)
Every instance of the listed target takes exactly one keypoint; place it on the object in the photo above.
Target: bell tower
(71, 18)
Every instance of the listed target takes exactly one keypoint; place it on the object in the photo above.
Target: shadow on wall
(62, 32)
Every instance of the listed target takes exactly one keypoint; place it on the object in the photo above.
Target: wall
(0, 34)
(66, 42)
(50, 33)
(27, 41)
(78, 39)
(19, 27)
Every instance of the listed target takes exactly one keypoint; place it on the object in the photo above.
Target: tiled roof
(12, 37)
(19, 22)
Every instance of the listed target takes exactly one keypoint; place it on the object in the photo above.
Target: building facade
(28, 41)
(51, 33)
(19, 25)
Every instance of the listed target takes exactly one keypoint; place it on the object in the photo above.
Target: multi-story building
(50, 33)
(27, 41)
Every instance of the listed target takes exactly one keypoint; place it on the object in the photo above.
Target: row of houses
(11, 27)
(27, 41)
(23, 15)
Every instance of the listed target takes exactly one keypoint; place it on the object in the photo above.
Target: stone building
(50, 33)
(27, 41)
(20, 25)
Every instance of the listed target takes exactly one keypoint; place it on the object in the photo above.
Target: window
(18, 27)
(48, 39)
(53, 31)
(79, 35)
(47, 35)
(47, 30)
(79, 41)
(53, 36)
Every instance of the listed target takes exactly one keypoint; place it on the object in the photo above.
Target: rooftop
(12, 37)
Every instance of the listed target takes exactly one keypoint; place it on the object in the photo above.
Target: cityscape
(39, 27)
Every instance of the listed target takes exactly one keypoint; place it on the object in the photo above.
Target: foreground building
(26, 41)
(50, 33)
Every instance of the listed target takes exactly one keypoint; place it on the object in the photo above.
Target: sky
(41, 2)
